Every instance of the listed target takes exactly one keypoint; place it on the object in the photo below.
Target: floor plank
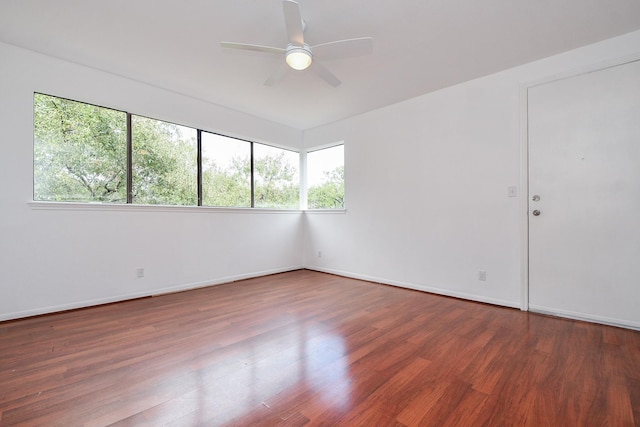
(307, 349)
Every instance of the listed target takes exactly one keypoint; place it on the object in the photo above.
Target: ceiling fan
(299, 55)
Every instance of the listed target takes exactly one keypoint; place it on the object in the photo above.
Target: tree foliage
(79, 151)
(80, 155)
(164, 163)
(330, 194)
(276, 184)
(230, 186)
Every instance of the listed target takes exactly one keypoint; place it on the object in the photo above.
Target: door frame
(524, 158)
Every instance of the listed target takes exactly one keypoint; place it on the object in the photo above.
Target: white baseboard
(620, 323)
(124, 297)
(429, 289)
(228, 279)
(223, 280)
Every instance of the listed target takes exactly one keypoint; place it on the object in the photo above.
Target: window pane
(277, 182)
(226, 171)
(164, 161)
(79, 152)
(325, 178)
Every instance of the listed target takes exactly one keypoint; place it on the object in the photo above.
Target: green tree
(80, 155)
(229, 186)
(79, 151)
(164, 163)
(330, 194)
(276, 184)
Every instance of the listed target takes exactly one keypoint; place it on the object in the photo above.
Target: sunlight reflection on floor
(306, 356)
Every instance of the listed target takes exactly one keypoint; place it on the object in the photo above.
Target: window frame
(130, 153)
(33, 163)
(200, 168)
(129, 203)
(253, 172)
(306, 179)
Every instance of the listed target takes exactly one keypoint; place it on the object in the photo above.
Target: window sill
(325, 211)
(110, 207)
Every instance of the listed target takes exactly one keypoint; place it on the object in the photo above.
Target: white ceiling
(419, 45)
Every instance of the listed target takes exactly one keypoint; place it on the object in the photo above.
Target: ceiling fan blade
(277, 75)
(343, 48)
(293, 20)
(254, 47)
(325, 74)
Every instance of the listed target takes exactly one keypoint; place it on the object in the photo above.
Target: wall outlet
(319, 254)
(482, 276)
(139, 272)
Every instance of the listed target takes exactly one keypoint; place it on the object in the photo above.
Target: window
(276, 177)
(79, 152)
(325, 178)
(164, 163)
(226, 171)
(86, 153)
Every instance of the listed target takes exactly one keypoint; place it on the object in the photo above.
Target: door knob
(535, 198)
(536, 212)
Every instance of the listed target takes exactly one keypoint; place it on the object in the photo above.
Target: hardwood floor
(307, 348)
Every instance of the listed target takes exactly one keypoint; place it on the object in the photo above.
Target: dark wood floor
(306, 348)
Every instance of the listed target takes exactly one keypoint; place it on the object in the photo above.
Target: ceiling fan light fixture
(298, 58)
(298, 55)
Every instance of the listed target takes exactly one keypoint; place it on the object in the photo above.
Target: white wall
(53, 259)
(426, 185)
(426, 195)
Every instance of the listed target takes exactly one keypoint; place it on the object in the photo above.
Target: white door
(584, 166)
